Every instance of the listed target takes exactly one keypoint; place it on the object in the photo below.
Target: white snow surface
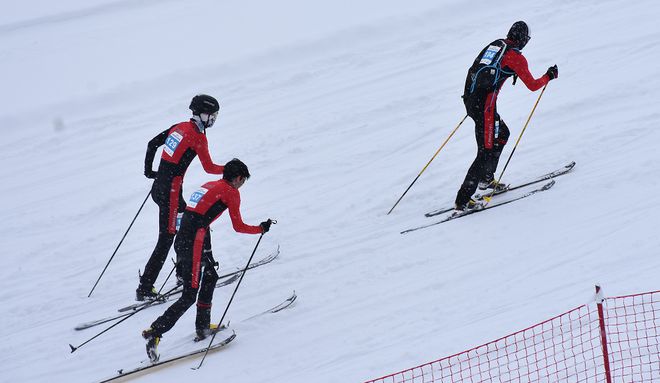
(335, 106)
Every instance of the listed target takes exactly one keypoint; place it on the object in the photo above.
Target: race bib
(196, 196)
(490, 54)
(172, 142)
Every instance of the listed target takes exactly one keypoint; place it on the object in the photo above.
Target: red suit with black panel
(193, 249)
(493, 66)
(182, 143)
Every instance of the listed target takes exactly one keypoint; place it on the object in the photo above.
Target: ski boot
(204, 333)
(152, 344)
(469, 205)
(493, 185)
(142, 293)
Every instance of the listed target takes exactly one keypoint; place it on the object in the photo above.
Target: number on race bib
(172, 142)
(489, 55)
(196, 197)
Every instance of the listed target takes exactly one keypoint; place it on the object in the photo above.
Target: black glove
(553, 72)
(150, 173)
(265, 225)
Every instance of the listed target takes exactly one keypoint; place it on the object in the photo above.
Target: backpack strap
(495, 64)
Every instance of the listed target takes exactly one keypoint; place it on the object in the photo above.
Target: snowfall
(335, 106)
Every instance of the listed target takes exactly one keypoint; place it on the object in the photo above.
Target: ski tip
(229, 339)
(548, 185)
(73, 349)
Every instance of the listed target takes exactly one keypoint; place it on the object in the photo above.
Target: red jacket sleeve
(205, 158)
(234, 207)
(518, 63)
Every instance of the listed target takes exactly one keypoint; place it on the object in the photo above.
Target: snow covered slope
(335, 108)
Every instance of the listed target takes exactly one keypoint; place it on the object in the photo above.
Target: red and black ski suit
(182, 143)
(493, 66)
(193, 249)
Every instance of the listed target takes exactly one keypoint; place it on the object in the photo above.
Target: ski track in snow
(333, 128)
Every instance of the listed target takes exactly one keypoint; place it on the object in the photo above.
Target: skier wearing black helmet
(495, 63)
(182, 143)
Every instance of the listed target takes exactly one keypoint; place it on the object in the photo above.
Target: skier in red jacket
(182, 143)
(497, 62)
(193, 249)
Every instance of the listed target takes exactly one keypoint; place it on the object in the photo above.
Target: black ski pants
(491, 134)
(196, 267)
(168, 195)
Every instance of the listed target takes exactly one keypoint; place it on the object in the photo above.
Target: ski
(164, 297)
(480, 197)
(97, 322)
(121, 373)
(227, 279)
(234, 274)
(477, 210)
(288, 302)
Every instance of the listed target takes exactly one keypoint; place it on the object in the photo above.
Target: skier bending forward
(193, 249)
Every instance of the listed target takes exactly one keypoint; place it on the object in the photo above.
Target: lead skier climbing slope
(497, 62)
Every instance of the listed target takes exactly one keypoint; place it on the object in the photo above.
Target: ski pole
(488, 197)
(120, 242)
(231, 299)
(168, 278)
(432, 158)
(74, 348)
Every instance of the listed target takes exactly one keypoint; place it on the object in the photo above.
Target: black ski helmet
(519, 34)
(203, 103)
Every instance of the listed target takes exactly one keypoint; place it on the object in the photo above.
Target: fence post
(603, 335)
